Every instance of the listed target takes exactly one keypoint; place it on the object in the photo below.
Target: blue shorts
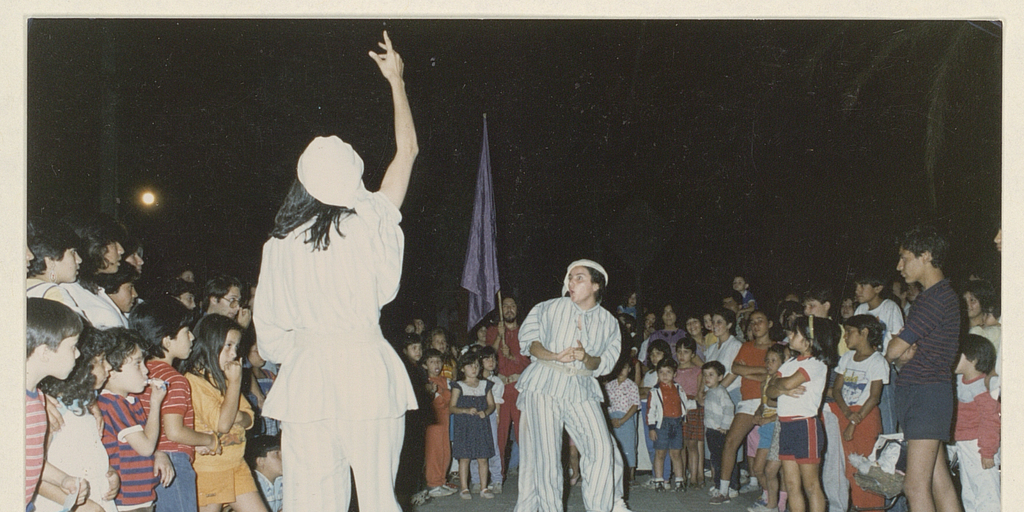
(767, 431)
(802, 440)
(925, 411)
(670, 434)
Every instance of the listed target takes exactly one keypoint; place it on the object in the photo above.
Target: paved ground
(639, 500)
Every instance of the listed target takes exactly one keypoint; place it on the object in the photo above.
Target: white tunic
(317, 314)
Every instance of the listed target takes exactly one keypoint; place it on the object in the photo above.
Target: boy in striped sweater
(129, 436)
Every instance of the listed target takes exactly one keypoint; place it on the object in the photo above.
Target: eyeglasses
(232, 301)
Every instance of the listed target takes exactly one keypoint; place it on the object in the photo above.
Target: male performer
(334, 259)
(504, 337)
(570, 340)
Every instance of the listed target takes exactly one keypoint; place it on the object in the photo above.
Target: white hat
(331, 171)
(586, 263)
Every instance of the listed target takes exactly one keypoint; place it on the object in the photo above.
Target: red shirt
(516, 362)
(178, 401)
(442, 400)
(750, 355)
(672, 407)
(35, 437)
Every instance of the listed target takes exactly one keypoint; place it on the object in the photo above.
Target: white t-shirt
(858, 375)
(725, 353)
(807, 404)
(889, 314)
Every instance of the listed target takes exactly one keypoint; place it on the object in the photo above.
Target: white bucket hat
(331, 171)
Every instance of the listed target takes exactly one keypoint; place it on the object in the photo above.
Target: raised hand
(233, 371)
(389, 62)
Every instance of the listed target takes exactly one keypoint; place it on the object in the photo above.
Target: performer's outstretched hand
(389, 62)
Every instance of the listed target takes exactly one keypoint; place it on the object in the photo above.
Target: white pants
(317, 457)
(980, 486)
(540, 456)
(833, 464)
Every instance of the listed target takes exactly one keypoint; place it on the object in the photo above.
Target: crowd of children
(143, 404)
(127, 408)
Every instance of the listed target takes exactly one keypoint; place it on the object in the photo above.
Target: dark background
(676, 153)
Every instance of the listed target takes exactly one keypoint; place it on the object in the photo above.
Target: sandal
(486, 493)
(465, 494)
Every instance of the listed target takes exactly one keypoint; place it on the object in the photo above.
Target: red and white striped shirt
(35, 438)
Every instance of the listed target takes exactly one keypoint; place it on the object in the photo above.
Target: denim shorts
(670, 434)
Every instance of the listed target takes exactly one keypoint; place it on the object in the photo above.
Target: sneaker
(761, 508)
(679, 486)
(486, 493)
(450, 487)
(733, 493)
(475, 488)
(713, 491)
(440, 492)
(749, 488)
(420, 498)
(707, 473)
(465, 494)
(651, 483)
(718, 500)
(496, 488)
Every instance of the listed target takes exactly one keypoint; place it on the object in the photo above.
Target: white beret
(331, 171)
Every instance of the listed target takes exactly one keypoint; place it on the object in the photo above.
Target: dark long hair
(299, 207)
(211, 333)
(80, 385)
(95, 231)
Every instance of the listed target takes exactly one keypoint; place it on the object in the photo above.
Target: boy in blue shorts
(667, 411)
(925, 351)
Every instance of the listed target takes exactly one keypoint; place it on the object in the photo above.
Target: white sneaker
(761, 508)
(749, 488)
(440, 491)
(733, 493)
(712, 492)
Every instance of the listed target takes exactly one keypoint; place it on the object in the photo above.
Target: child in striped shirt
(129, 435)
(51, 349)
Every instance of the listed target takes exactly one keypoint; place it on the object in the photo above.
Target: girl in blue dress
(471, 403)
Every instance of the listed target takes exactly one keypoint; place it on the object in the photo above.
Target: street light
(148, 198)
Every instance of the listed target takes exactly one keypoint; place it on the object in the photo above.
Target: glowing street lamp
(148, 198)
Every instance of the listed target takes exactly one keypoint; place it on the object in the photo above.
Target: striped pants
(540, 466)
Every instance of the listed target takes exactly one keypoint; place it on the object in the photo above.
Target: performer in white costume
(571, 341)
(334, 259)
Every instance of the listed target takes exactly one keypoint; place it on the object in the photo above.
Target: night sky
(676, 153)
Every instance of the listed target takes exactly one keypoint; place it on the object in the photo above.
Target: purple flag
(480, 276)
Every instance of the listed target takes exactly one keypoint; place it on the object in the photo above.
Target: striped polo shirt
(178, 401)
(934, 324)
(35, 437)
(123, 416)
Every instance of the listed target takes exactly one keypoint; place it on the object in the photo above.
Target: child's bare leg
(464, 474)
(659, 464)
(249, 502)
(678, 469)
(791, 475)
(700, 462)
(771, 472)
(758, 465)
(694, 459)
(812, 486)
(482, 463)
